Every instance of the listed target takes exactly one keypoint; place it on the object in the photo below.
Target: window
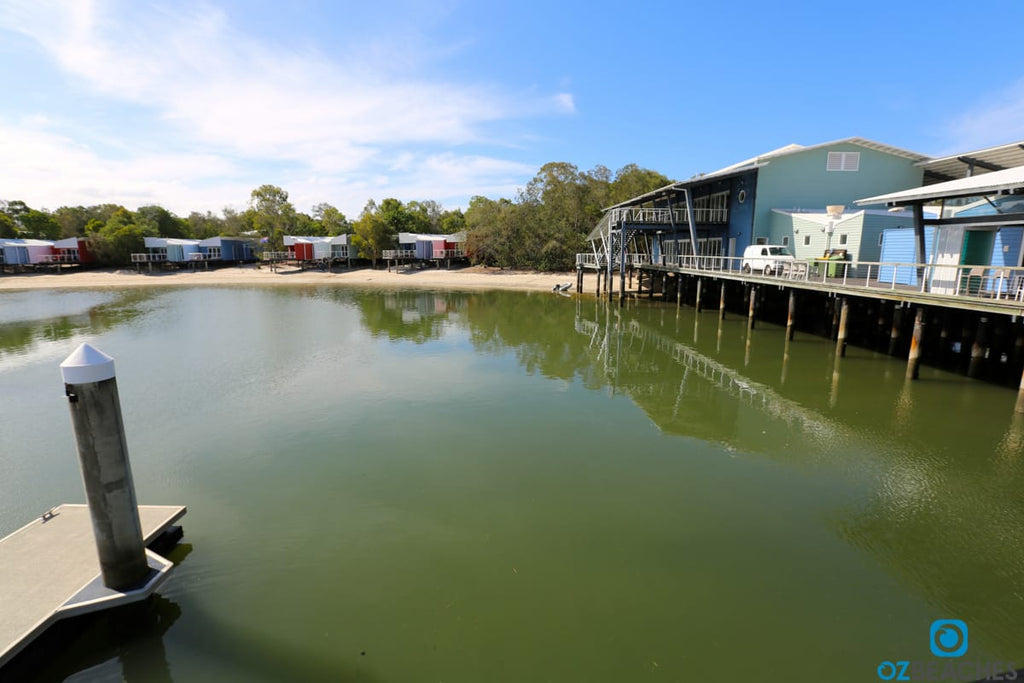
(712, 208)
(761, 240)
(785, 241)
(880, 236)
(843, 161)
(807, 240)
(842, 239)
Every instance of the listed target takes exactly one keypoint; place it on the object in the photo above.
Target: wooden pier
(50, 570)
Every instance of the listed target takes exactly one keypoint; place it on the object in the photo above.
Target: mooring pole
(914, 358)
(679, 291)
(697, 302)
(790, 319)
(1020, 396)
(897, 327)
(91, 388)
(841, 338)
(721, 302)
(750, 312)
(978, 348)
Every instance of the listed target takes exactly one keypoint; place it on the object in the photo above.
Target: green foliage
(273, 215)
(332, 221)
(39, 225)
(373, 232)
(162, 222)
(7, 226)
(118, 238)
(548, 223)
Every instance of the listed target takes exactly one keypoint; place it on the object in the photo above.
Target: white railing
(592, 260)
(398, 254)
(140, 258)
(638, 214)
(56, 258)
(994, 283)
(449, 253)
(276, 255)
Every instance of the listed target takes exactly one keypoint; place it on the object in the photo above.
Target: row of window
(807, 240)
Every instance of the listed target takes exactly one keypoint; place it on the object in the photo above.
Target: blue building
(721, 213)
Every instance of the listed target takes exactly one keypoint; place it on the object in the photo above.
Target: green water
(421, 486)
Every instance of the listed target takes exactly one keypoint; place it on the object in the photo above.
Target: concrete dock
(50, 570)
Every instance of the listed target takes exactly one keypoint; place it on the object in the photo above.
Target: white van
(766, 258)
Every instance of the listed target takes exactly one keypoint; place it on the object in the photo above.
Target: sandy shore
(470, 278)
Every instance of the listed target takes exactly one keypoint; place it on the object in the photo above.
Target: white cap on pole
(87, 364)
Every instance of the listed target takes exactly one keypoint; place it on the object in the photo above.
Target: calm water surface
(421, 486)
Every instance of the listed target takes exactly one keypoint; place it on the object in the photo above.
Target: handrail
(991, 282)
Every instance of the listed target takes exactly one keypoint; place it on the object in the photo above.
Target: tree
(373, 233)
(8, 228)
(118, 238)
(39, 225)
(161, 221)
(274, 216)
(332, 221)
(452, 222)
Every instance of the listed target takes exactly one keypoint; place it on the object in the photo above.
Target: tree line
(542, 228)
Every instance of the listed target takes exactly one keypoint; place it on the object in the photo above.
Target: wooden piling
(978, 348)
(896, 329)
(914, 358)
(697, 300)
(721, 302)
(790, 318)
(1019, 408)
(679, 291)
(835, 317)
(844, 316)
(750, 311)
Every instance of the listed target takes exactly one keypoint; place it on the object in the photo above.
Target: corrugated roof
(957, 165)
(795, 148)
(988, 183)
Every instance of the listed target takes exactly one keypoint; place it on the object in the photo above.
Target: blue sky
(191, 105)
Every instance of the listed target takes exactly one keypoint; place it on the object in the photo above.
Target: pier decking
(49, 570)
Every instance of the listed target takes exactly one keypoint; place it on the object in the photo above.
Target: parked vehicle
(765, 258)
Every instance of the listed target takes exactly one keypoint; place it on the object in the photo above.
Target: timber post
(897, 326)
(750, 311)
(844, 316)
(697, 301)
(790, 318)
(721, 302)
(914, 358)
(978, 347)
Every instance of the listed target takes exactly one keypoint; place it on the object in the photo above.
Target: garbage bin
(836, 265)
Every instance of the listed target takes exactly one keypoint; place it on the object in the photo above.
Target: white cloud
(213, 108)
(1000, 119)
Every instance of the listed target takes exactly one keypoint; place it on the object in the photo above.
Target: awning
(996, 182)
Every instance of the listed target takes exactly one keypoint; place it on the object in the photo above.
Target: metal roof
(673, 188)
(983, 161)
(796, 149)
(995, 182)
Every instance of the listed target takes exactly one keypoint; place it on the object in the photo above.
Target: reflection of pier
(696, 365)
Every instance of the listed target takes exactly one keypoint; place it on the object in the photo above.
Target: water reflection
(36, 319)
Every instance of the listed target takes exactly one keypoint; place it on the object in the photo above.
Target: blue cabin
(228, 249)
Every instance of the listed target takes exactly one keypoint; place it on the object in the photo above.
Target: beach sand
(469, 278)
